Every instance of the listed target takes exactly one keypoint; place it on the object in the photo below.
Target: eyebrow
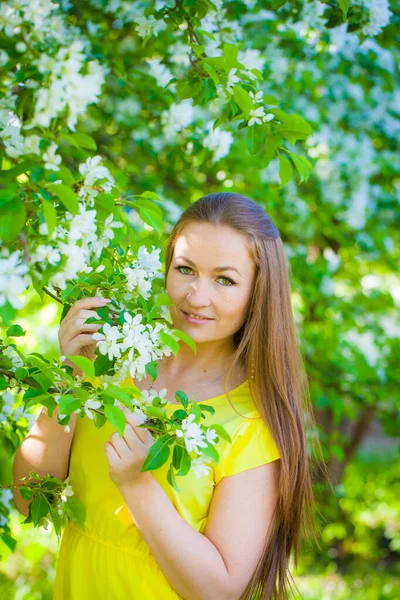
(191, 263)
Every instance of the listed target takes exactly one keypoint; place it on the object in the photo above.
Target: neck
(210, 358)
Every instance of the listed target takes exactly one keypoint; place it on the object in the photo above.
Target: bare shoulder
(240, 517)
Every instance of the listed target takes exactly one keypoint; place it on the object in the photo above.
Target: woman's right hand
(74, 336)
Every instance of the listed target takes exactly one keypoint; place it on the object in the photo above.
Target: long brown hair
(267, 340)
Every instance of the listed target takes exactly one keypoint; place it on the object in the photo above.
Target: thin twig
(52, 295)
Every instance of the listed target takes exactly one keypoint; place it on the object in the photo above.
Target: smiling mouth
(193, 316)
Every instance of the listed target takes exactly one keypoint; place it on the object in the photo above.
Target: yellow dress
(110, 560)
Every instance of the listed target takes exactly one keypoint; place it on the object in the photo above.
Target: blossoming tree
(112, 111)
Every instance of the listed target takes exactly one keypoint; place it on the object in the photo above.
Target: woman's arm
(44, 450)
(218, 564)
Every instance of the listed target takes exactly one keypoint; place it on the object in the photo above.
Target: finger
(86, 303)
(84, 339)
(112, 454)
(134, 421)
(73, 322)
(131, 437)
(121, 446)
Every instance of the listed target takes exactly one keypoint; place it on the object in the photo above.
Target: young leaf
(15, 331)
(181, 396)
(26, 492)
(285, 170)
(158, 453)
(186, 338)
(39, 508)
(211, 452)
(66, 195)
(116, 417)
(84, 364)
(151, 369)
(169, 341)
(221, 431)
(68, 404)
(75, 510)
(171, 478)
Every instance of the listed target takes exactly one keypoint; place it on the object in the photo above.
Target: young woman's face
(197, 284)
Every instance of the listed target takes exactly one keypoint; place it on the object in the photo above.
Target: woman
(229, 533)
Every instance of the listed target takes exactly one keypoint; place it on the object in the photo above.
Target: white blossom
(89, 404)
(257, 115)
(177, 117)
(147, 26)
(232, 80)
(52, 160)
(46, 253)
(108, 341)
(199, 466)
(149, 261)
(67, 491)
(13, 278)
(192, 434)
(137, 280)
(160, 72)
(257, 97)
(219, 141)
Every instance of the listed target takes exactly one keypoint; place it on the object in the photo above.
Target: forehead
(218, 245)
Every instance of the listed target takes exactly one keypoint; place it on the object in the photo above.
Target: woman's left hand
(126, 455)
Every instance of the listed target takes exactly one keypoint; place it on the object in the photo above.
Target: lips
(198, 316)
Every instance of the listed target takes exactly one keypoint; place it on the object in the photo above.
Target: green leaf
(65, 175)
(15, 331)
(276, 4)
(68, 404)
(151, 369)
(171, 478)
(50, 215)
(23, 167)
(117, 394)
(39, 508)
(9, 541)
(56, 520)
(285, 170)
(158, 454)
(12, 220)
(75, 510)
(212, 72)
(84, 364)
(152, 219)
(186, 462)
(102, 364)
(41, 365)
(231, 52)
(242, 99)
(169, 341)
(302, 165)
(211, 452)
(344, 5)
(255, 138)
(80, 140)
(221, 431)
(66, 195)
(186, 338)
(155, 411)
(26, 492)
(99, 420)
(116, 417)
(181, 396)
(162, 300)
(198, 48)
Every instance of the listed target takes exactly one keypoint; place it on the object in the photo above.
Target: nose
(198, 295)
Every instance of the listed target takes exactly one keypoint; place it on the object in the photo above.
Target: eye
(230, 281)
